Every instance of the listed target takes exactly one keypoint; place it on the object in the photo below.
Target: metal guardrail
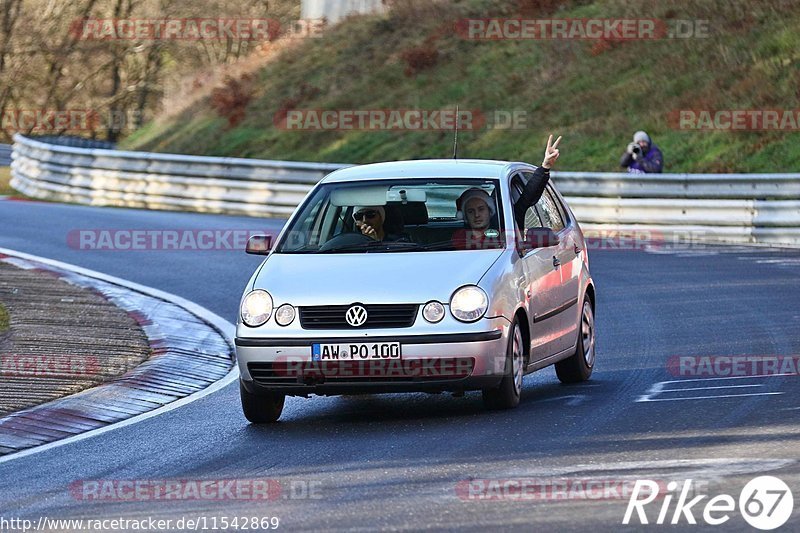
(5, 155)
(744, 208)
(61, 140)
(162, 181)
(77, 142)
(689, 186)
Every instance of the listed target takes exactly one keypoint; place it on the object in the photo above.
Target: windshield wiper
(384, 246)
(307, 249)
(440, 245)
(451, 244)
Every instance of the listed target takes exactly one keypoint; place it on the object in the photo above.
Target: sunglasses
(365, 214)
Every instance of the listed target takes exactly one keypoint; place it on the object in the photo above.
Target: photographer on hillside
(642, 156)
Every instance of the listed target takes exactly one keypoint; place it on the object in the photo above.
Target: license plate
(363, 351)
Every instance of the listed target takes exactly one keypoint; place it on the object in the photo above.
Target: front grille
(374, 371)
(378, 316)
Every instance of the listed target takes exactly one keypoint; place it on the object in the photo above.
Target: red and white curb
(192, 358)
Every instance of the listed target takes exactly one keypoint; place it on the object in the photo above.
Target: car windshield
(410, 215)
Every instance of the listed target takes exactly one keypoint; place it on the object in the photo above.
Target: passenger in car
(479, 210)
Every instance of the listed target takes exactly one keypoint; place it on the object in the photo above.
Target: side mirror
(259, 244)
(540, 238)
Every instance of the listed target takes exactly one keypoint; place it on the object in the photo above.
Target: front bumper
(429, 363)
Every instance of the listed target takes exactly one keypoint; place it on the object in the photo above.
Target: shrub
(420, 57)
(230, 101)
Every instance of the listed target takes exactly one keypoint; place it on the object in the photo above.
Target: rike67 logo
(765, 503)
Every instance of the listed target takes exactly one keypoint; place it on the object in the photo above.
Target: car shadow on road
(537, 396)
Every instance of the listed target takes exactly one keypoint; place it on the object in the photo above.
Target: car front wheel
(506, 395)
(261, 408)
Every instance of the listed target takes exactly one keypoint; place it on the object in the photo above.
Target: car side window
(532, 219)
(548, 210)
(338, 221)
(330, 222)
(516, 188)
(561, 207)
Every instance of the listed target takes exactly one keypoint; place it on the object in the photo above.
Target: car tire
(578, 367)
(507, 394)
(261, 408)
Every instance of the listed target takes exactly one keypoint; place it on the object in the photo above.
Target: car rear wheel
(261, 408)
(578, 367)
(506, 395)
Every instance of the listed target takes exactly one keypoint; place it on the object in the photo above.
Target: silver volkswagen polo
(416, 276)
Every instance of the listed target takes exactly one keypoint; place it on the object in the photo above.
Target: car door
(573, 248)
(542, 280)
(566, 261)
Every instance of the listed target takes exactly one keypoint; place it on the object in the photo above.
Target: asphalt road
(400, 461)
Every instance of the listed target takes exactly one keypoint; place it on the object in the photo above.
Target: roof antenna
(455, 140)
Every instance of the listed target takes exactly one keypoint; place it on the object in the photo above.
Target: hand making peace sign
(551, 153)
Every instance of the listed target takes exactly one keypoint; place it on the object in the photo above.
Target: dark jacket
(651, 163)
(533, 190)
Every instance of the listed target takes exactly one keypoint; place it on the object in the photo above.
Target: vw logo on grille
(356, 315)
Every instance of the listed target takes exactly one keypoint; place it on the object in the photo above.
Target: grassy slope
(595, 100)
(4, 319)
(5, 178)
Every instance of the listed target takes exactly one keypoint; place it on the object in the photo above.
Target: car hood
(396, 277)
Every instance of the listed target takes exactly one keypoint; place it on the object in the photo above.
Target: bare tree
(52, 65)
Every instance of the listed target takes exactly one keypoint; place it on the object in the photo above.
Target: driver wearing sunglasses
(370, 219)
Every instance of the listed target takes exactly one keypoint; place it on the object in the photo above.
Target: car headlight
(284, 315)
(256, 308)
(469, 303)
(433, 312)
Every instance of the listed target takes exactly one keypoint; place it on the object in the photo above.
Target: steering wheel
(345, 239)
